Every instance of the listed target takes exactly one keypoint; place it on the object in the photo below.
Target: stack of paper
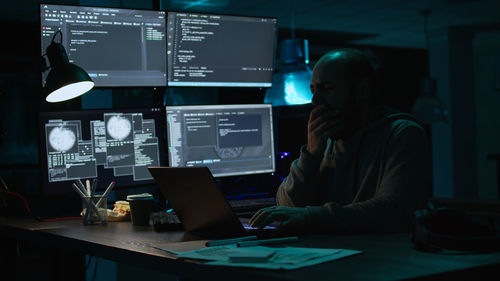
(269, 258)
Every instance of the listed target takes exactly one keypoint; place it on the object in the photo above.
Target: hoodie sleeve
(403, 187)
(298, 189)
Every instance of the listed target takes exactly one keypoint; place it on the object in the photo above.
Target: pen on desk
(108, 189)
(83, 196)
(106, 192)
(92, 189)
(75, 187)
(87, 185)
(229, 241)
(80, 185)
(267, 241)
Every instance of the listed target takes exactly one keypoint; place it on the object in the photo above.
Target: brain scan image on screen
(62, 139)
(118, 127)
(228, 152)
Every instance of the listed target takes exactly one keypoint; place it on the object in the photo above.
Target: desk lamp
(65, 80)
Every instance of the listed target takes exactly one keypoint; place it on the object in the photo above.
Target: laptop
(201, 207)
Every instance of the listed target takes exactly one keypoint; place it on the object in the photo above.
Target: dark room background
(461, 51)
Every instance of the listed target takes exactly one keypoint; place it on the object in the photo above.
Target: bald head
(352, 64)
(344, 78)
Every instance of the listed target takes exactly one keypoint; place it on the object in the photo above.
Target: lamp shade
(290, 86)
(291, 82)
(65, 80)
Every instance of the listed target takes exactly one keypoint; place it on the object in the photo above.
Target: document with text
(278, 258)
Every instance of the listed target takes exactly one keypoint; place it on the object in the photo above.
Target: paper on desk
(181, 247)
(299, 262)
(284, 258)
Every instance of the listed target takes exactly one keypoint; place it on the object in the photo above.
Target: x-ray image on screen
(62, 139)
(119, 140)
(119, 127)
(67, 156)
(108, 145)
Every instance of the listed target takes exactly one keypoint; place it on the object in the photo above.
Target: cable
(28, 210)
(6, 189)
(4, 184)
(59, 219)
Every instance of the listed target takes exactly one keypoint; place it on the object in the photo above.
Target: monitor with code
(220, 50)
(228, 139)
(110, 145)
(117, 47)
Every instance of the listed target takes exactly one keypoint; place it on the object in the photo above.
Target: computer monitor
(110, 145)
(220, 50)
(117, 47)
(229, 139)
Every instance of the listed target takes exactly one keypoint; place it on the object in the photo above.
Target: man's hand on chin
(324, 122)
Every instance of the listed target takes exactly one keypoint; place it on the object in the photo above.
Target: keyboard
(249, 206)
(166, 221)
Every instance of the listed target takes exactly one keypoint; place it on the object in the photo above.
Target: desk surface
(385, 257)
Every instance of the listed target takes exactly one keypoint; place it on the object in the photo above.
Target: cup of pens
(94, 206)
(93, 211)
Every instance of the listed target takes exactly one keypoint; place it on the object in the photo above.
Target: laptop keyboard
(251, 204)
(166, 221)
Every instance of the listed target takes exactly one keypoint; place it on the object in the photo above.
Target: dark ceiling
(394, 23)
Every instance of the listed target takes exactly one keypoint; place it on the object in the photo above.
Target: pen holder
(94, 210)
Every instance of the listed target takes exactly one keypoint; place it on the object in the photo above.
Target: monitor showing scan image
(110, 145)
(210, 50)
(228, 139)
(117, 47)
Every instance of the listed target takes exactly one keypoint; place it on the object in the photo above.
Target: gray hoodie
(383, 175)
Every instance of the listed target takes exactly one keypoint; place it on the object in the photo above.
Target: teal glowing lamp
(65, 80)
(291, 81)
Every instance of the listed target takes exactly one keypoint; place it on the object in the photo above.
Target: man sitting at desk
(364, 168)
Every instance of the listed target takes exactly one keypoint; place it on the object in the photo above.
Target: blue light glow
(296, 86)
(186, 4)
(282, 155)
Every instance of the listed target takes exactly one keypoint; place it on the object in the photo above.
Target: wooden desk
(385, 257)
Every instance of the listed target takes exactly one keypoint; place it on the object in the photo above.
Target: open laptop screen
(228, 139)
